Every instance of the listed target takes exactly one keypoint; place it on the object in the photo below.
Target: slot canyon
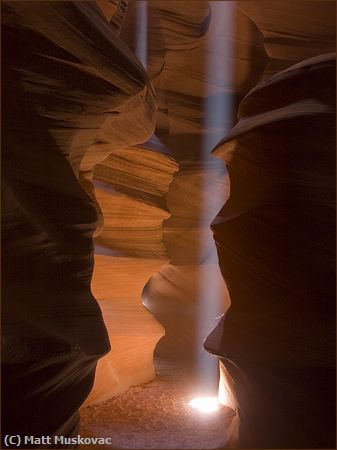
(168, 224)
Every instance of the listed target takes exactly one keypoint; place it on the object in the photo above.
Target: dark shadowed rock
(64, 69)
(275, 240)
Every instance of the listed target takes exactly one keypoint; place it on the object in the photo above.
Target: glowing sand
(205, 404)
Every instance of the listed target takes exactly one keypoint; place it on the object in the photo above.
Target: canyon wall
(130, 187)
(191, 71)
(275, 237)
(66, 77)
(92, 150)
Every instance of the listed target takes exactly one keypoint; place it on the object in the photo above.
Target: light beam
(218, 112)
(141, 32)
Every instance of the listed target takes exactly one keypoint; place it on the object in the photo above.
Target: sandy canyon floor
(156, 415)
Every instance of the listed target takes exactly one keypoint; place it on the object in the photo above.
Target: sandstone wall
(66, 76)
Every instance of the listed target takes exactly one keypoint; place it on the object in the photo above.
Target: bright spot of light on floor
(205, 404)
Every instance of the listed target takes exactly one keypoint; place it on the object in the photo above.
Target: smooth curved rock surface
(192, 76)
(78, 102)
(274, 239)
(64, 70)
(130, 188)
(293, 30)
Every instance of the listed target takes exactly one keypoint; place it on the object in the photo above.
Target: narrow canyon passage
(168, 224)
(186, 296)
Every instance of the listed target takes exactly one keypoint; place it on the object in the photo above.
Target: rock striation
(66, 76)
(130, 188)
(92, 152)
(274, 239)
(293, 30)
(190, 79)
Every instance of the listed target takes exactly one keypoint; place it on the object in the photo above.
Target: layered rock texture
(67, 77)
(194, 76)
(110, 187)
(274, 238)
(293, 30)
(130, 188)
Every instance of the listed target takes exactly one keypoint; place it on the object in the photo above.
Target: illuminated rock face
(182, 41)
(293, 30)
(130, 187)
(67, 77)
(77, 102)
(274, 238)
